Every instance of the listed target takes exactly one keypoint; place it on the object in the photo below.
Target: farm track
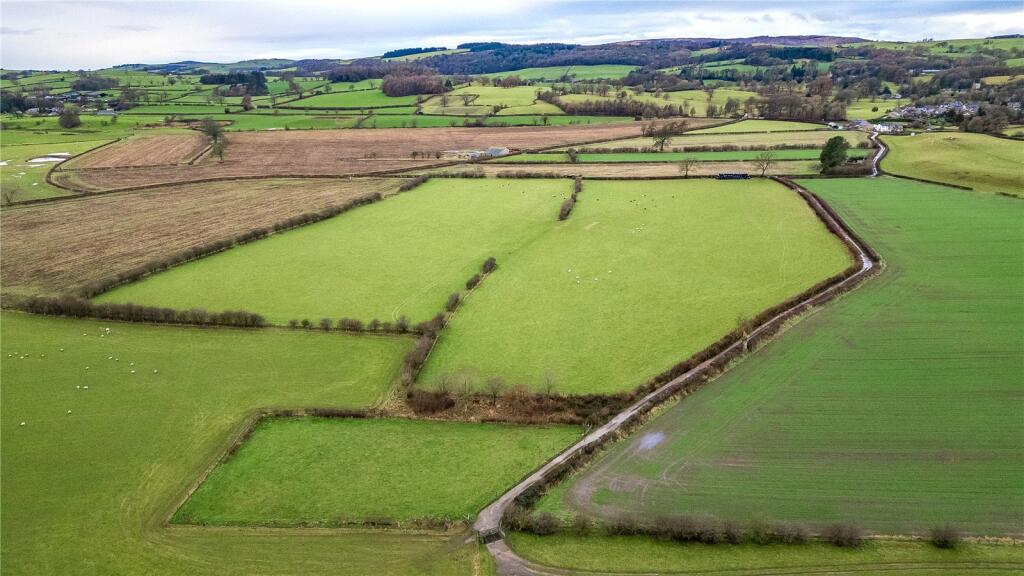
(488, 523)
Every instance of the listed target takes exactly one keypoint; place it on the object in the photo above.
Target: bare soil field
(327, 153)
(142, 151)
(626, 170)
(58, 247)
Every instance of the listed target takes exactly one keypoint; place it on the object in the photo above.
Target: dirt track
(318, 152)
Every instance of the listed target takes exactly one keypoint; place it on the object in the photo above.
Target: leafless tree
(764, 161)
(686, 164)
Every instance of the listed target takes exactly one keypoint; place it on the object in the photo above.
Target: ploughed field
(326, 471)
(642, 275)
(323, 152)
(399, 257)
(148, 150)
(60, 247)
(896, 408)
(90, 491)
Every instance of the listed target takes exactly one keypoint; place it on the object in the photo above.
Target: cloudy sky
(41, 34)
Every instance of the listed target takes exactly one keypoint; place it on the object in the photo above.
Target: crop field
(436, 237)
(879, 558)
(630, 169)
(555, 73)
(287, 472)
(731, 155)
(809, 138)
(759, 126)
(147, 150)
(353, 99)
(89, 491)
(26, 180)
(348, 152)
(670, 265)
(60, 247)
(895, 408)
(982, 162)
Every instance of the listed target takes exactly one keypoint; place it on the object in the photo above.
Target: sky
(45, 35)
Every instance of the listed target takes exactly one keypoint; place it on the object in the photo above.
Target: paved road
(882, 149)
(488, 523)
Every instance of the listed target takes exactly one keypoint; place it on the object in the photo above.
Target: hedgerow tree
(687, 164)
(766, 160)
(834, 153)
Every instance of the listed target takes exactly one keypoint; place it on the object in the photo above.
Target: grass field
(631, 169)
(697, 100)
(797, 154)
(353, 99)
(640, 277)
(316, 471)
(553, 73)
(896, 408)
(46, 131)
(810, 138)
(865, 109)
(759, 126)
(881, 558)
(984, 163)
(27, 180)
(434, 239)
(89, 492)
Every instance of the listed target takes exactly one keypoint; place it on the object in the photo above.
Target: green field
(863, 108)
(984, 163)
(316, 471)
(89, 492)
(400, 256)
(640, 277)
(27, 180)
(586, 157)
(45, 130)
(353, 100)
(896, 407)
(554, 73)
(420, 55)
(695, 99)
(809, 138)
(880, 558)
(759, 126)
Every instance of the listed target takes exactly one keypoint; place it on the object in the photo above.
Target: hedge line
(77, 307)
(566, 209)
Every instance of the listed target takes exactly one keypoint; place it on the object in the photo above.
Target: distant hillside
(189, 66)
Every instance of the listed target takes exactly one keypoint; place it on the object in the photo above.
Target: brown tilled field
(58, 247)
(333, 152)
(142, 151)
(632, 170)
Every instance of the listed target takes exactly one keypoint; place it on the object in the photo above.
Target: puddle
(47, 159)
(649, 441)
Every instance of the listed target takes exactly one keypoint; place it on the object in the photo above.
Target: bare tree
(686, 164)
(764, 161)
(466, 98)
(495, 386)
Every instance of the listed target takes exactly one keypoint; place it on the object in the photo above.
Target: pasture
(759, 126)
(89, 491)
(355, 99)
(877, 557)
(22, 179)
(329, 471)
(435, 238)
(868, 109)
(895, 408)
(641, 276)
(557, 73)
(731, 155)
(984, 163)
(809, 138)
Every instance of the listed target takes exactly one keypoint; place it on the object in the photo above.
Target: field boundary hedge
(691, 373)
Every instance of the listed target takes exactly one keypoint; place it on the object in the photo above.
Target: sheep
(22, 424)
